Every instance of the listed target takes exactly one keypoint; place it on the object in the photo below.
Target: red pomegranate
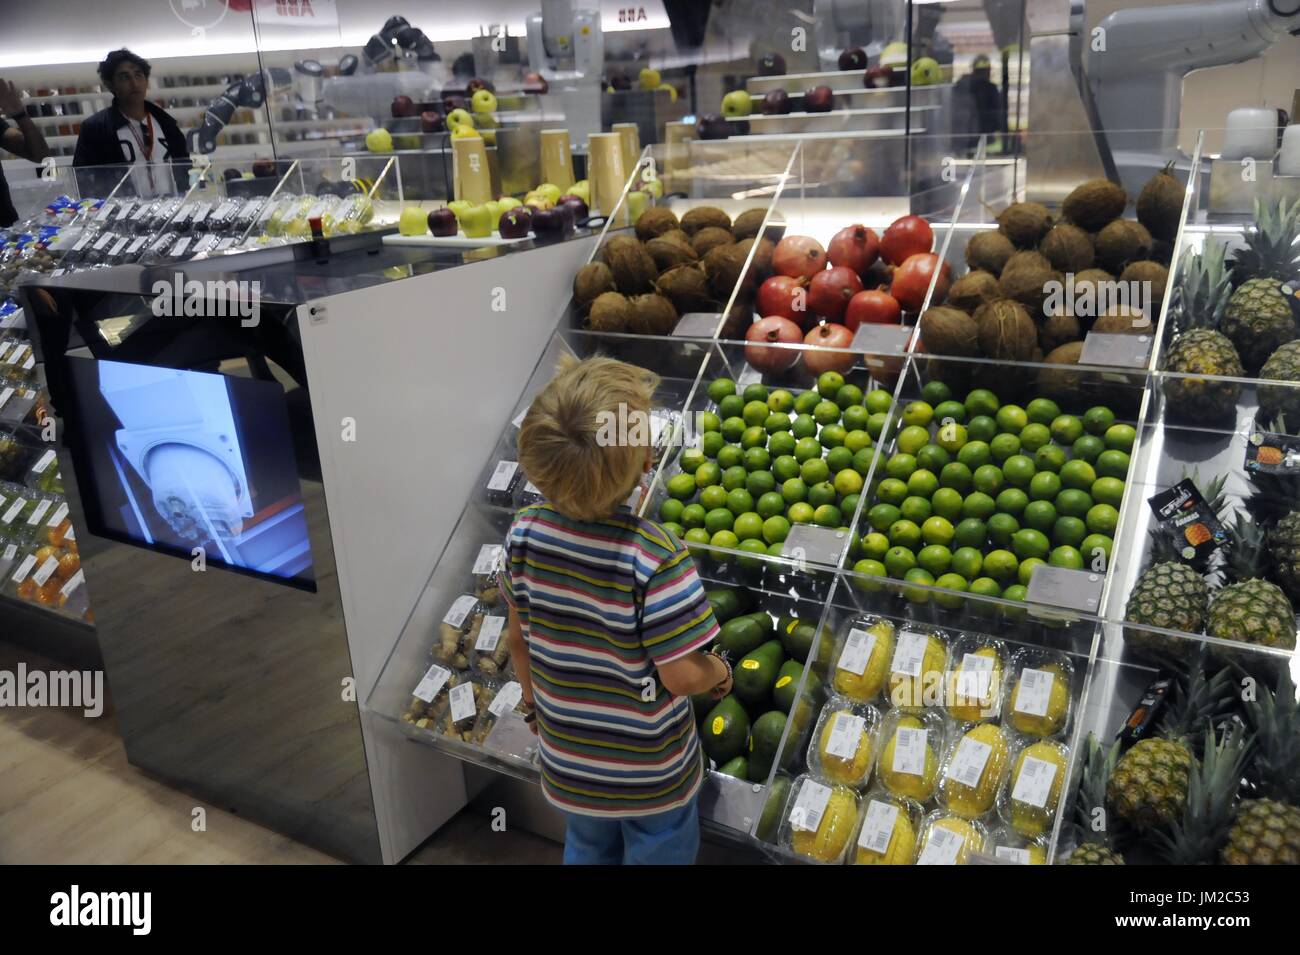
(772, 330)
(798, 256)
(829, 291)
(872, 307)
(904, 238)
(856, 247)
(912, 278)
(828, 335)
(784, 296)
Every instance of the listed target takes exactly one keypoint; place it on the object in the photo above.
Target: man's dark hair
(116, 59)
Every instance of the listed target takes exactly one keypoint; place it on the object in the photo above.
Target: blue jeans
(667, 838)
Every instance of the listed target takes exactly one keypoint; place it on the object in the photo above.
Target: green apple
(483, 101)
(581, 189)
(464, 132)
(669, 89)
(651, 187)
(379, 141)
(459, 117)
(637, 203)
(649, 79)
(539, 201)
(737, 103)
(925, 72)
(494, 209)
(459, 207)
(413, 221)
(895, 54)
(477, 221)
(550, 191)
(508, 202)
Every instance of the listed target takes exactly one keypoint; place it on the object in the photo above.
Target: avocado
(756, 672)
(787, 685)
(725, 730)
(738, 767)
(764, 739)
(701, 703)
(728, 602)
(797, 637)
(741, 635)
(777, 794)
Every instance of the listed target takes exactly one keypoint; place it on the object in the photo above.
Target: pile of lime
(978, 494)
(767, 459)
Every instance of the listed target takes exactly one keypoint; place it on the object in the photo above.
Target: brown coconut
(1068, 248)
(1094, 203)
(677, 235)
(652, 315)
(949, 331)
(593, 280)
(723, 267)
(972, 290)
(710, 237)
(1057, 330)
(761, 267)
(1005, 330)
(610, 312)
(1122, 320)
(1121, 242)
(702, 217)
(655, 221)
(633, 267)
(1028, 285)
(1028, 258)
(989, 251)
(1063, 381)
(1153, 275)
(1025, 223)
(1160, 205)
(687, 288)
(669, 253)
(747, 224)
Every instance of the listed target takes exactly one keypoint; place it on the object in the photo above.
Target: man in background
(977, 103)
(18, 135)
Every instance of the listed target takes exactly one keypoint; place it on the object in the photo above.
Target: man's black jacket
(99, 145)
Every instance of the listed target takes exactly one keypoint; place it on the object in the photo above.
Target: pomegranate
(912, 278)
(856, 247)
(798, 256)
(872, 307)
(906, 237)
(829, 291)
(772, 329)
(828, 335)
(783, 296)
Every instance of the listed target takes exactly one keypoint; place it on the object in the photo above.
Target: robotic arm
(561, 35)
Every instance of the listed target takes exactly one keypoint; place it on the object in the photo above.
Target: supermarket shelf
(49, 633)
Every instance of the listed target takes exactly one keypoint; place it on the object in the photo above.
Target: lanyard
(146, 151)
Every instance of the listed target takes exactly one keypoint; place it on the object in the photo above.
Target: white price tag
(102, 241)
(5, 396)
(846, 735)
(878, 827)
(531, 488)
(225, 243)
(45, 571)
(11, 551)
(941, 848)
(75, 581)
(489, 635)
(81, 243)
(909, 750)
(507, 698)
(4, 348)
(201, 212)
(30, 363)
(462, 702)
(119, 245)
(518, 422)
(37, 514)
(460, 609)
(105, 211)
(179, 248)
(136, 245)
(434, 679)
(141, 212)
(24, 568)
(489, 559)
(124, 212)
(857, 651)
(1035, 691)
(1121, 349)
(60, 515)
(1012, 854)
(14, 509)
(502, 475)
(974, 677)
(18, 351)
(808, 808)
(909, 654)
(969, 761)
(1034, 784)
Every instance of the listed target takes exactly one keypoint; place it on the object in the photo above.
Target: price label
(941, 848)
(507, 698)
(45, 571)
(502, 475)
(857, 651)
(1034, 784)
(807, 544)
(1120, 350)
(1035, 691)
(141, 212)
(179, 248)
(462, 702)
(909, 654)
(24, 569)
(118, 246)
(974, 676)
(435, 678)
(11, 551)
(5, 396)
(102, 241)
(518, 421)
(489, 634)
(969, 761)
(1012, 854)
(806, 815)
(225, 243)
(105, 211)
(39, 512)
(846, 735)
(124, 211)
(60, 515)
(14, 509)
(136, 244)
(459, 611)
(878, 826)
(909, 750)
(875, 339)
(697, 325)
(489, 559)
(4, 348)
(82, 242)
(1065, 587)
(73, 582)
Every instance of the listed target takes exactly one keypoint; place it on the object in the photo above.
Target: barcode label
(507, 698)
(105, 211)
(1011, 854)
(37, 514)
(941, 848)
(1035, 691)
(11, 551)
(119, 245)
(434, 679)
(102, 241)
(460, 609)
(5, 346)
(45, 571)
(969, 761)
(60, 515)
(489, 635)
(857, 651)
(489, 559)
(81, 243)
(124, 212)
(974, 677)
(909, 750)
(5, 396)
(201, 212)
(180, 247)
(878, 826)
(14, 509)
(142, 211)
(75, 581)
(518, 422)
(502, 474)
(225, 243)
(809, 807)
(462, 702)
(846, 735)
(136, 245)
(909, 654)
(24, 568)
(19, 350)
(1034, 784)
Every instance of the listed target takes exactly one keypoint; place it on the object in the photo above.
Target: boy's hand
(723, 688)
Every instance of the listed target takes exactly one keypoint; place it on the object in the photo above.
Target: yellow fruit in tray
(840, 769)
(1058, 704)
(912, 690)
(1027, 818)
(984, 743)
(902, 843)
(833, 831)
(1037, 854)
(919, 786)
(971, 840)
(866, 686)
(972, 692)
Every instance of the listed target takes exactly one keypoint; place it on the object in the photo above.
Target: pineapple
(1199, 300)
(1267, 830)
(1203, 830)
(1282, 365)
(1251, 610)
(1258, 318)
(1093, 854)
(1091, 821)
(1284, 542)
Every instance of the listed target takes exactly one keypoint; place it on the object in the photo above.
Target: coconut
(1028, 285)
(1122, 320)
(634, 269)
(1095, 203)
(1027, 259)
(710, 237)
(1005, 330)
(1154, 276)
(652, 315)
(1162, 252)
(687, 288)
(655, 221)
(1068, 248)
(748, 223)
(1121, 242)
(761, 267)
(1057, 330)
(1060, 382)
(702, 217)
(989, 251)
(949, 331)
(1025, 223)
(669, 253)
(610, 312)
(678, 236)
(1160, 205)
(592, 281)
(973, 289)
(723, 267)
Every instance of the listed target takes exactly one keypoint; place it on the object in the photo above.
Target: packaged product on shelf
(843, 745)
(1033, 791)
(819, 820)
(157, 249)
(453, 645)
(223, 217)
(774, 803)
(143, 215)
(489, 649)
(457, 713)
(161, 215)
(44, 506)
(17, 504)
(862, 656)
(974, 683)
(17, 360)
(1009, 846)
(528, 494)
(486, 572)
(504, 698)
(1039, 700)
(501, 483)
(949, 840)
(425, 695)
(974, 768)
(350, 216)
(248, 213)
(887, 829)
(917, 666)
(14, 455)
(911, 744)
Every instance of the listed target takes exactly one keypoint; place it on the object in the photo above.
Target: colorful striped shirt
(613, 741)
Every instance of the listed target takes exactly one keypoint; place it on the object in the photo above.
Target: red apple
(262, 168)
(904, 238)
(515, 223)
(798, 256)
(771, 64)
(476, 84)
(776, 103)
(912, 278)
(856, 247)
(769, 330)
(855, 59)
(534, 82)
(550, 225)
(872, 307)
(828, 335)
(443, 222)
(431, 121)
(713, 126)
(403, 106)
(784, 296)
(878, 77)
(819, 99)
(829, 291)
(580, 210)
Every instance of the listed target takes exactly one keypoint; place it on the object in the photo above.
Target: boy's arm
(519, 655)
(697, 672)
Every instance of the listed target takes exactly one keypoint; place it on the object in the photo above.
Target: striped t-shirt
(613, 741)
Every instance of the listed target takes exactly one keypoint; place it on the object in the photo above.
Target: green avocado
(764, 739)
(725, 729)
(777, 794)
(728, 602)
(738, 767)
(741, 635)
(756, 672)
(787, 685)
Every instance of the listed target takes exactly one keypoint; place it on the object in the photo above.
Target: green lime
(1012, 501)
(780, 400)
(981, 401)
(917, 509)
(731, 455)
(1073, 503)
(952, 437)
(757, 459)
(978, 505)
(1011, 419)
(1001, 529)
(821, 493)
(918, 595)
(1102, 519)
(807, 448)
(733, 478)
(1028, 542)
(937, 530)
(724, 539)
(1040, 515)
(936, 392)
(956, 476)
(832, 436)
(712, 443)
(913, 438)
(829, 383)
(678, 530)
(752, 546)
(770, 504)
(1044, 486)
(1096, 550)
(805, 402)
(1001, 565)
(1066, 556)
(905, 533)
(755, 413)
(1050, 457)
(759, 483)
(708, 421)
(777, 421)
(1113, 464)
(981, 428)
(1034, 437)
(696, 535)
(877, 424)
(733, 406)
(1078, 475)
(900, 466)
(691, 460)
(985, 587)
(682, 486)
(878, 401)
(868, 569)
(946, 411)
(828, 515)
(1018, 470)
(837, 459)
(987, 479)
(947, 503)
(1004, 446)
(749, 526)
(874, 545)
(936, 558)
(849, 504)
(1069, 531)
(826, 412)
(1120, 437)
(848, 395)
(777, 549)
(719, 388)
(814, 470)
(855, 418)
(862, 460)
(715, 495)
(1088, 448)
(967, 561)
(892, 491)
(1108, 490)
(719, 519)
(733, 428)
(801, 513)
(922, 482)
(1098, 420)
(785, 467)
(1042, 410)
(933, 458)
(739, 501)
(755, 392)
(857, 440)
(847, 481)
(782, 443)
(1018, 593)
(1026, 570)
(670, 511)
(804, 426)
(950, 582)
(918, 413)
(971, 532)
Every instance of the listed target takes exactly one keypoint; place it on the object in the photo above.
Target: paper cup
(471, 176)
(630, 139)
(607, 174)
(557, 158)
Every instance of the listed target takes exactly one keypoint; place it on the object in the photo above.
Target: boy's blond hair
(567, 447)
